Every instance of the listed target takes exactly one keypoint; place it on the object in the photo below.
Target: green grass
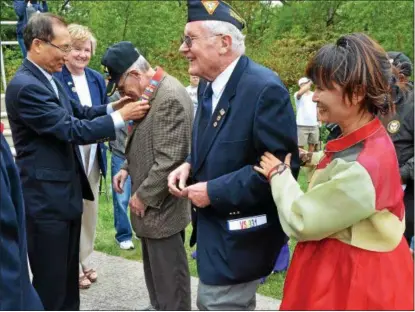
(105, 242)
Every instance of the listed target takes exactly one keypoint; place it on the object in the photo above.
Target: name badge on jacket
(247, 223)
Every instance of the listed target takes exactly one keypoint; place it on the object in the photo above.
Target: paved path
(121, 286)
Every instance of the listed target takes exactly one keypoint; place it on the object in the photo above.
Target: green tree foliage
(282, 37)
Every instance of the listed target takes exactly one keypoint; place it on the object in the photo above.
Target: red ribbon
(149, 90)
(1, 127)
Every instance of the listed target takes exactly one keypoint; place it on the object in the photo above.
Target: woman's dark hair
(356, 63)
(40, 26)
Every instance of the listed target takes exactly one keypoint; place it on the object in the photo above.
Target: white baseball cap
(303, 80)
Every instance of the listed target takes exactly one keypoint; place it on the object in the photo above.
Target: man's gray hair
(141, 64)
(225, 28)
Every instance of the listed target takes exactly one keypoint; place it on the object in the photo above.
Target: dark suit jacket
(98, 91)
(16, 291)
(46, 130)
(254, 115)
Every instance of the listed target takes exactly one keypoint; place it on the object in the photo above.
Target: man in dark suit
(244, 111)
(16, 291)
(46, 126)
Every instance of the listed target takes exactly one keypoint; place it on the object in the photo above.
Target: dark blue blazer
(254, 115)
(98, 91)
(46, 131)
(16, 290)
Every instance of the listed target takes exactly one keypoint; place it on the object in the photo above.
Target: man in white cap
(307, 123)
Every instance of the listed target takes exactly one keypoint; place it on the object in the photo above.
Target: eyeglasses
(65, 49)
(188, 40)
(120, 86)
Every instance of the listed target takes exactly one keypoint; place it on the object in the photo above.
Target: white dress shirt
(82, 89)
(48, 77)
(219, 84)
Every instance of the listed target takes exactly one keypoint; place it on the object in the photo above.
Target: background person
(192, 90)
(87, 87)
(21, 8)
(123, 231)
(400, 125)
(307, 123)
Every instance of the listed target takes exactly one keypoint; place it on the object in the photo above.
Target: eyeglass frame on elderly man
(121, 91)
(188, 39)
(64, 50)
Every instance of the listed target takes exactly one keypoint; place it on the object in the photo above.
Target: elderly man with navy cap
(155, 145)
(244, 110)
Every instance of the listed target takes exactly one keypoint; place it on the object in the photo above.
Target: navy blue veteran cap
(204, 10)
(116, 60)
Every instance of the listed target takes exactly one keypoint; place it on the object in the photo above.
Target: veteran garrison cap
(116, 60)
(204, 10)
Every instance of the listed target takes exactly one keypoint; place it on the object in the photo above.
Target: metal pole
(3, 73)
(9, 42)
(8, 22)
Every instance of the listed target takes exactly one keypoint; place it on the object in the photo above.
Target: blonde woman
(87, 87)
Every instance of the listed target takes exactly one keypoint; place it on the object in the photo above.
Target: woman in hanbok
(351, 253)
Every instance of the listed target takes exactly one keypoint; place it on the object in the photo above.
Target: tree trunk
(127, 15)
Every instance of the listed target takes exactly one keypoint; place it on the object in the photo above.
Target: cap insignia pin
(210, 6)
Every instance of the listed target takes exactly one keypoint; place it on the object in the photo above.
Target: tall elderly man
(47, 127)
(155, 146)
(243, 111)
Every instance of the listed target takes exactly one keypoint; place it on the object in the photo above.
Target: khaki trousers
(89, 216)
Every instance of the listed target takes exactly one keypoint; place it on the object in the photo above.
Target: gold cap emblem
(210, 6)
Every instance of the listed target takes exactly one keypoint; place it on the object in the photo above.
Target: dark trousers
(408, 200)
(53, 248)
(166, 273)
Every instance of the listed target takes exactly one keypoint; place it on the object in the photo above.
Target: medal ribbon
(149, 91)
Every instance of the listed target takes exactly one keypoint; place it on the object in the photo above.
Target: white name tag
(246, 223)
